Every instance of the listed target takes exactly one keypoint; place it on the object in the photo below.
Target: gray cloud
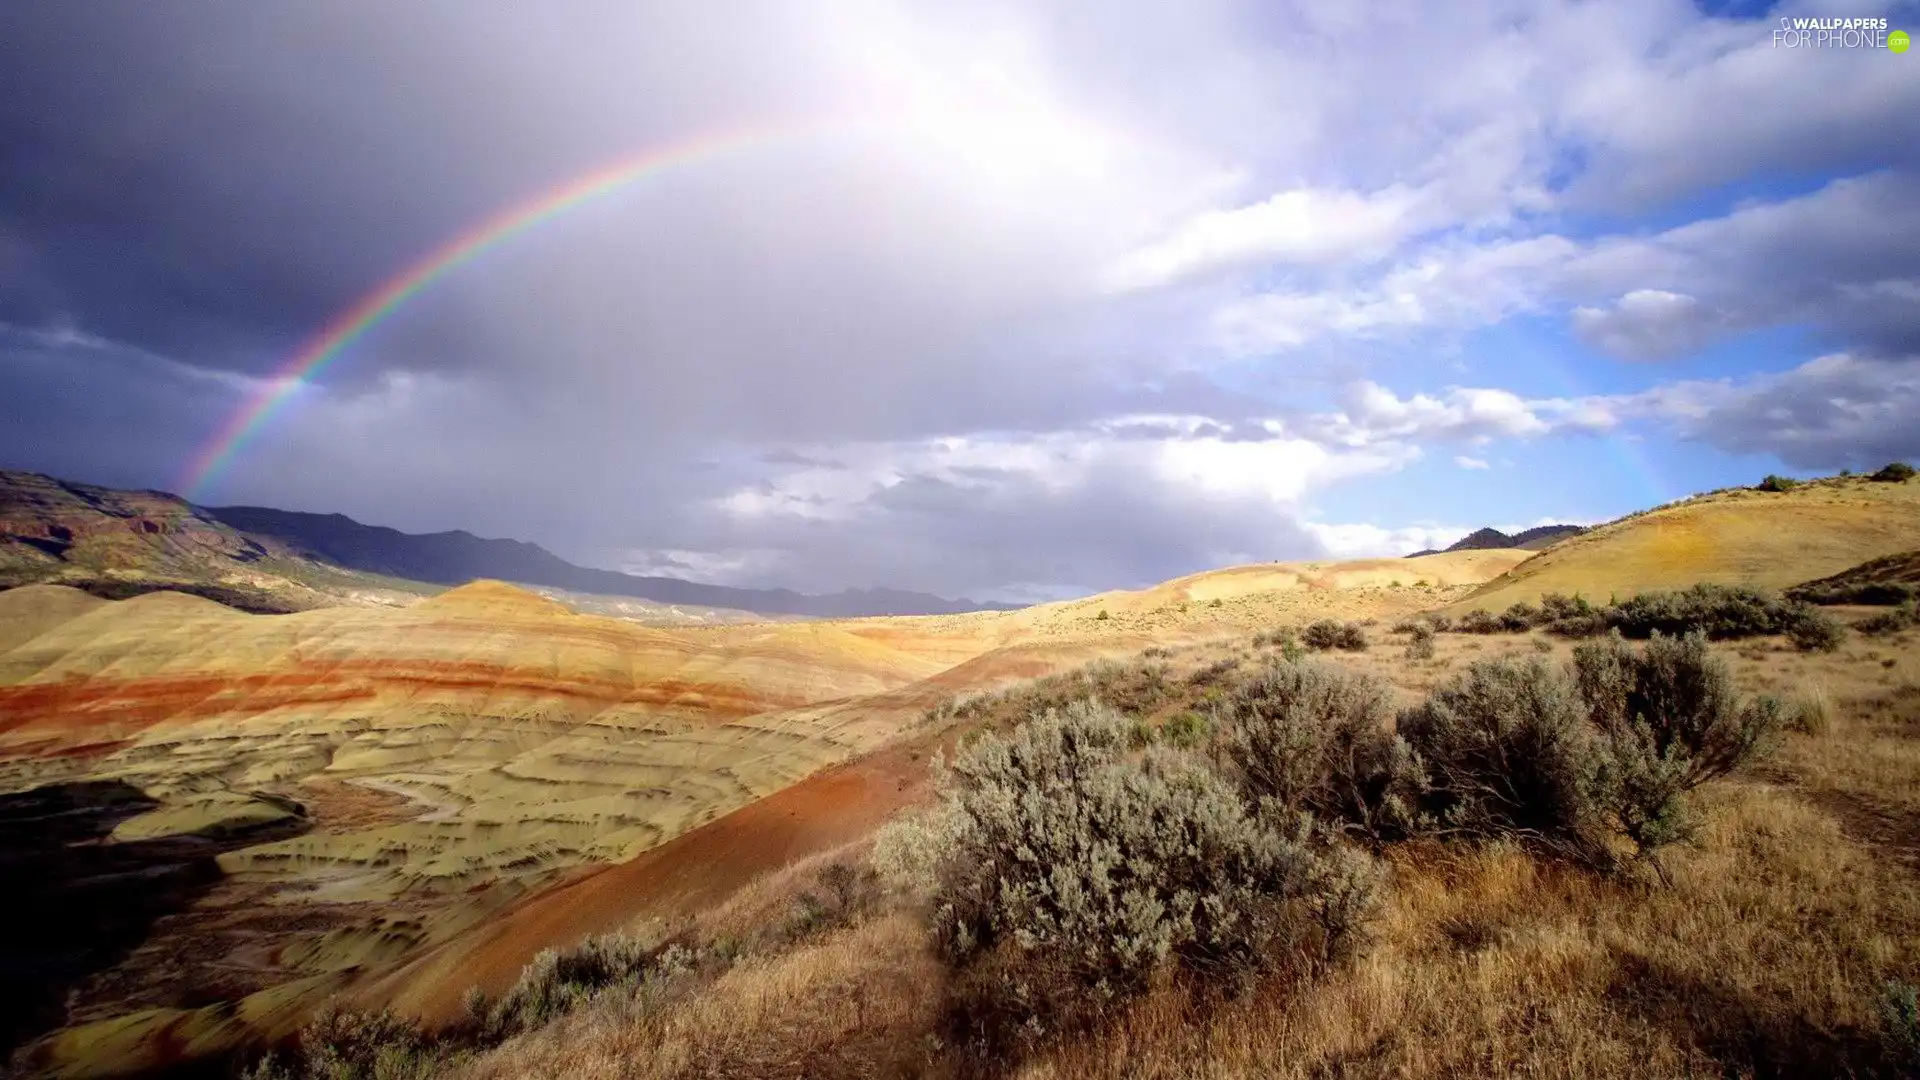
(1649, 324)
(1830, 413)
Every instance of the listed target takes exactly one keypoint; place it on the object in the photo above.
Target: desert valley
(904, 540)
(222, 820)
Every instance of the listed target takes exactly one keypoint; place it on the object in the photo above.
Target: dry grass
(853, 1005)
(1764, 956)
(1762, 959)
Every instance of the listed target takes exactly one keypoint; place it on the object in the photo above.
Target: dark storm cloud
(214, 181)
(69, 408)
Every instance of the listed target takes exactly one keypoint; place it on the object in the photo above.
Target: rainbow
(339, 334)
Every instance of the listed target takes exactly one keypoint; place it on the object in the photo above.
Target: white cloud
(1648, 324)
(1466, 462)
(1367, 541)
(1843, 257)
(1372, 415)
(1299, 226)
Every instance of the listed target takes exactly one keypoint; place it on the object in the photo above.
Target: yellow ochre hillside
(1770, 540)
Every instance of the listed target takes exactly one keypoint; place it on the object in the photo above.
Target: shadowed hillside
(1538, 538)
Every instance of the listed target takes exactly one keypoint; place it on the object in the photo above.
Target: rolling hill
(365, 789)
(227, 818)
(1771, 540)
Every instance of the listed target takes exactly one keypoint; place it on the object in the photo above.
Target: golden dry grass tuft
(857, 1004)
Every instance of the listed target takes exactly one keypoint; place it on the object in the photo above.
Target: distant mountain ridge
(1534, 539)
(453, 558)
(116, 542)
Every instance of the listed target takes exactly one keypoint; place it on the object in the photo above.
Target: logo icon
(1897, 41)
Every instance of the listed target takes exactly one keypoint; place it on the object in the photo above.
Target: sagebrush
(1313, 738)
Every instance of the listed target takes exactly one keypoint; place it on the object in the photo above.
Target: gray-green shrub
(1307, 737)
(1079, 867)
(558, 981)
(1671, 720)
(348, 1044)
(1889, 622)
(1480, 622)
(1683, 694)
(1811, 630)
(1326, 634)
(1519, 618)
(1508, 750)
(1420, 643)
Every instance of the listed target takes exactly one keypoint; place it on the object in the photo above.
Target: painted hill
(117, 544)
(1740, 536)
(1537, 538)
(370, 790)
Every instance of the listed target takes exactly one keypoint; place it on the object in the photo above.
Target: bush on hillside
(1327, 634)
(1889, 622)
(1215, 672)
(1480, 622)
(1509, 751)
(1778, 483)
(560, 980)
(1555, 606)
(1312, 738)
(1894, 472)
(1578, 626)
(1187, 730)
(1420, 641)
(1519, 618)
(346, 1044)
(1080, 869)
(1814, 631)
(1721, 612)
(1865, 594)
(1671, 720)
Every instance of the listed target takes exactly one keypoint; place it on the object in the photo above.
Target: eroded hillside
(368, 786)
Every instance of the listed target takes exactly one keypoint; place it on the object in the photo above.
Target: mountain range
(115, 543)
(1537, 538)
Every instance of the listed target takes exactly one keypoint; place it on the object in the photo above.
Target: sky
(1009, 300)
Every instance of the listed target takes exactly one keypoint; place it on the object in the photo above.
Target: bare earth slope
(1767, 539)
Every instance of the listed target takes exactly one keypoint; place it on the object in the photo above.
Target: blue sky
(1035, 299)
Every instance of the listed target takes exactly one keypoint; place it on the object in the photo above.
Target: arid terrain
(390, 805)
